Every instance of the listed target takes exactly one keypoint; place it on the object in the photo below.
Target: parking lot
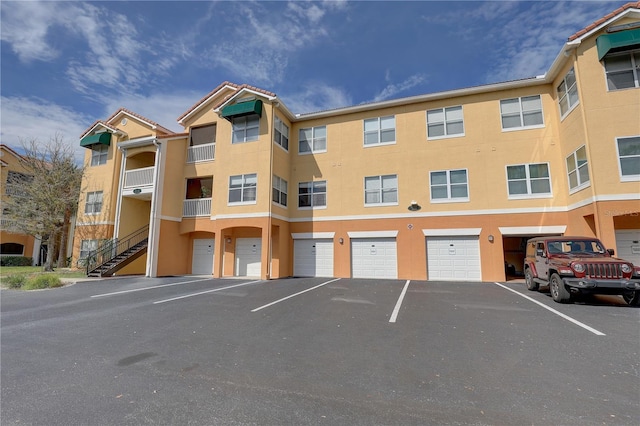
(196, 350)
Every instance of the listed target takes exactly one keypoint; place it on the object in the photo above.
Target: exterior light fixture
(341, 240)
(414, 206)
(490, 238)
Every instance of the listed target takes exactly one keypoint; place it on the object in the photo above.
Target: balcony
(198, 153)
(196, 207)
(138, 177)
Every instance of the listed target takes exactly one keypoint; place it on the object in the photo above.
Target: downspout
(152, 261)
(270, 190)
(123, 163)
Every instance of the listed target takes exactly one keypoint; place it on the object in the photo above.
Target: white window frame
(280, 134)
(243, 187)
(521, 113)
(312, 141)
(635, 69)
(445, 122)
(312, 193)
(380, 190)
(90, 204)
(626, 178)
(280, 188)
(568, 92)
(527, 179)
(244, 127)
(99, 156)
(378, 131)
(86, 247)
(575, 168)
(448, 185)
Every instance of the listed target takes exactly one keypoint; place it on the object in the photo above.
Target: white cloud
(316, 97)
(392, 89)
(24, 119)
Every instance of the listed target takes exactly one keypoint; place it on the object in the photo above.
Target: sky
(65, 65)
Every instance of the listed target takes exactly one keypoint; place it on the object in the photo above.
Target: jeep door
(542, 261)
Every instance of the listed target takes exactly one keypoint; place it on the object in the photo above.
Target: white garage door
(202, 260)
(313, 258)
(453, 258)
(628, 245)
(374, 258)
(248, 257)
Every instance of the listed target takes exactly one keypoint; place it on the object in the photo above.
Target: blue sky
(66, 64)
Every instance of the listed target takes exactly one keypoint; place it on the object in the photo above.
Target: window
(242, 188)
(381, 190)
(11, 249)
(199, 188)
(203, 135)
(312, 194)
(93, 203)
(568, 93)
(629, 156)
(445, 122)
(623, 70)
(577, 169)
(281, 134)
(202, 144)
(279, 191)
(245, 129)
(87, 246)
(99, 154)
(529, 180)
(519, 113)
(449, 185)
(313, 139)
(16, 183)
(380, 130)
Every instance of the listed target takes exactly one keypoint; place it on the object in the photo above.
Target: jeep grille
(603, 270)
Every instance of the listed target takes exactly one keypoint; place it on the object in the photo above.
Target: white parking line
(394, 315)
(560, 314)
(207, 291)
(293, 295)
(148, 288)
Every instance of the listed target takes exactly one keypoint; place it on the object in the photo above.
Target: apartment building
(12, 242)
(441, 186)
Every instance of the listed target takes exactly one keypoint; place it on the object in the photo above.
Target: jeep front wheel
(559, 292)
(528, 279)
(632, 298)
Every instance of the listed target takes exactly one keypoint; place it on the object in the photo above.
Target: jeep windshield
(577, 247)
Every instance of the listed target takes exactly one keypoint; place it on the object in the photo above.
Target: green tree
(45, 201)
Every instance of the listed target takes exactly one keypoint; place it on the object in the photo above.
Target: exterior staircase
(115, 254)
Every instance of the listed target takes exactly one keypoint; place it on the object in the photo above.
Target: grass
(32, 277)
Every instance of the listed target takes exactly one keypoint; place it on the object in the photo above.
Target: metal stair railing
(115, 247)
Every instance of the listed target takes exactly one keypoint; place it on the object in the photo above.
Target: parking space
(197, 350)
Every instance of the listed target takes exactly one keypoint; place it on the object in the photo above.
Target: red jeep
(579, 265)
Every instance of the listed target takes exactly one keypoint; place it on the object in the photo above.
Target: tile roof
(158, 126)
(605, 19)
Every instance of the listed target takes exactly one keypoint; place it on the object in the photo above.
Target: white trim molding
(532, 230)
(373, 234)
(454, 232)
(311, 235)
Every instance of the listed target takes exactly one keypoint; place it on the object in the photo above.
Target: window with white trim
(578, 169)
(93, 202)
(87, 246)
(312, 140)
(242, 188)
(449, 185)
(245, 129)
(312, 194)
(528, 180)
(629, 157)
(279, 191)
(380, 130)
(568, 93)
(379, 190)
(521, 113)
(99, 154)
(281, 134)
(623, 70)
(445, 122)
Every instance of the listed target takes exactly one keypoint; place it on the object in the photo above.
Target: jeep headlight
(578, 267)
(625, 268)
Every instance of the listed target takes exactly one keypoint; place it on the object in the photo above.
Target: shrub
(42, 281)
(14, 281)
(15, 261)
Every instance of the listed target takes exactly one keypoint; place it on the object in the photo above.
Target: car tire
(528, 279)
(559, 292)
(632, 298)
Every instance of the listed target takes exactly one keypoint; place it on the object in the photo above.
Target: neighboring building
(12, 242)
(440, 186)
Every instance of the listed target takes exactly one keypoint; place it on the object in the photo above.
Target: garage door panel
(374, 258)
(628, 245)
(453, 258)
(313, 257)
(248, 257)
(202, 258)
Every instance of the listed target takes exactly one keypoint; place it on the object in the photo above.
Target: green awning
(103, 138)
(608, 42)
(242, 109)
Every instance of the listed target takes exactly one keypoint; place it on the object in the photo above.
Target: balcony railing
(138, 177)
(196, 207)
(196, 153)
